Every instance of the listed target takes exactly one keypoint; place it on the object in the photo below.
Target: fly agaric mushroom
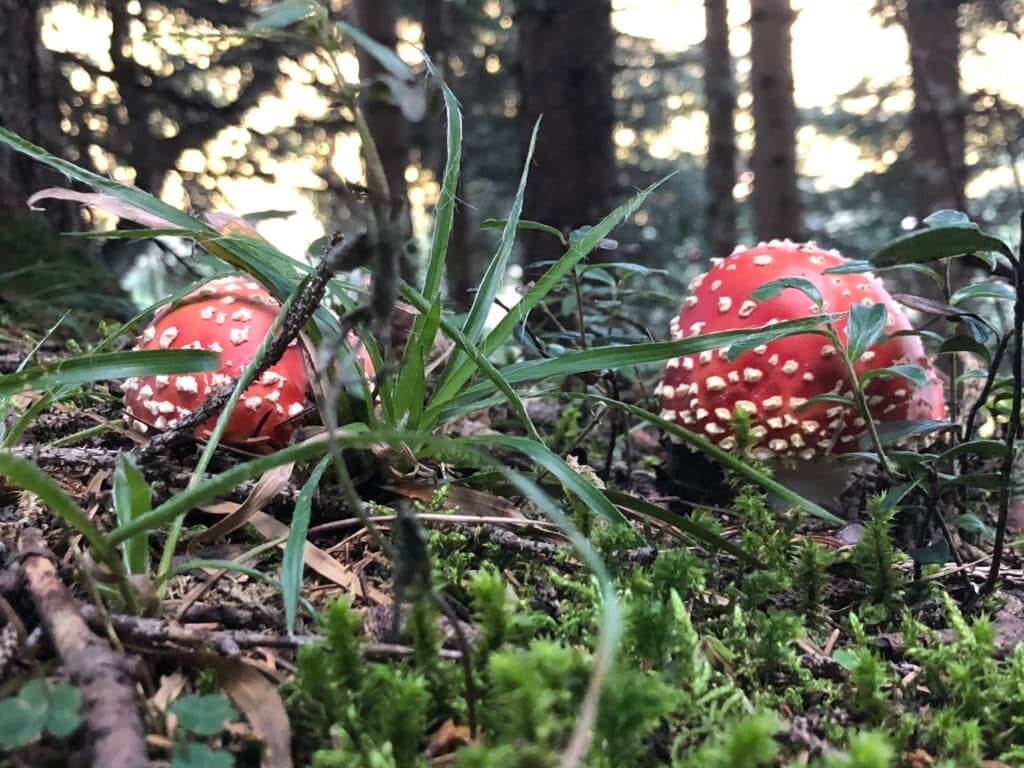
(774, 381)
(231, 316)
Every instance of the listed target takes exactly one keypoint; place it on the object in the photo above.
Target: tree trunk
(566, 50)
(28, 107)
(720, 97)
(378, 19)
(776, 198)
(462, 269)
(937, 122)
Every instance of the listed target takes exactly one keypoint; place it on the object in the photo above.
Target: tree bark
(776, 198)
(463, 271)
(937, 120)
(378, 19)
(720, 98)
(28, 107)
(566, 50)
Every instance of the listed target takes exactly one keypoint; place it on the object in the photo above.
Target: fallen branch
(109, 702)
(160, 632)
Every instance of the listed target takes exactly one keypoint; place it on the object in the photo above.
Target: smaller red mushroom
(231, 316)
(774, 382)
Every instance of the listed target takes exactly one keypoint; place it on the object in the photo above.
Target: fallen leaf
(261, 704)
(270, 484)
(320, 561)
(446, 739)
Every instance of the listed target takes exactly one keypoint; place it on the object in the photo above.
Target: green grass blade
(541, 288)
(111, 365)
(570, 479)
(132, 195)
(445, 212)
(132, 498)
(477, 359)
(295, 547)
(497, 269)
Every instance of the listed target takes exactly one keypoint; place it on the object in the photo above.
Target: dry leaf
(320, 561)
(270, 484)
(263, 709)
(446, 739)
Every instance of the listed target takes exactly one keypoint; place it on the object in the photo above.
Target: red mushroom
(772, 381)
(230, 315)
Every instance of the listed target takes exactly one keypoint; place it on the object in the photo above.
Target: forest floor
(818, 646)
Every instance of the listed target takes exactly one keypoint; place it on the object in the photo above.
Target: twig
(1013, 428)
(228, 642)
(110, 711)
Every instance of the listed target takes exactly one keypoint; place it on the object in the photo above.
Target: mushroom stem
(821, 481)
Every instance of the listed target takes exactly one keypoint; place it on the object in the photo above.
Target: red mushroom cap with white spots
(231, 316)
(772, 381)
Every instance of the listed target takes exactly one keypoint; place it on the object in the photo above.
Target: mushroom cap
(771, 382)
(229, 315)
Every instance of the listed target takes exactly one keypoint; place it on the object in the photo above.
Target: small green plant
(874, 555)
(39, 708)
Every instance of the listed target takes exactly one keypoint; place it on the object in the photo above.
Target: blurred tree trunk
(378, 19)
(776, 198)
(463, 271)
(565, 64)
(937, 121)
(28, 106)
(720, 98)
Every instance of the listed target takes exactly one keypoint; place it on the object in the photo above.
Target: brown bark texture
(720, 99)
(565, 67)
(109, 704)
(776, 198)
(937, 120)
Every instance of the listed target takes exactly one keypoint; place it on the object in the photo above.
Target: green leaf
(444, 212)
(896, 431)
(386, 57)
(755, 337)
(63, 715)
(684, 524)
(936, 553)
(132, 498)
(191, 754)
(627, 355)
(846, 659)
(204, 714)
(542, 287)
(910, 372)
(283, 14)
(974, 524)
(775, 287)
(939, 242)
(966, 344)
(990, 289)
(497, 269)
(109, 365)
(725, 458)
(827, 398)
(536, 226)
(570, 479)
(985, 449)
(865, 327)
(295, 547)
(24, 716)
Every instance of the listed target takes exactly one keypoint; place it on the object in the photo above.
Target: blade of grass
(294, 550)
(85, 369)
(498, 267)
(547, 282)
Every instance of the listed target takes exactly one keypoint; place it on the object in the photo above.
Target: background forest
(872, 114)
